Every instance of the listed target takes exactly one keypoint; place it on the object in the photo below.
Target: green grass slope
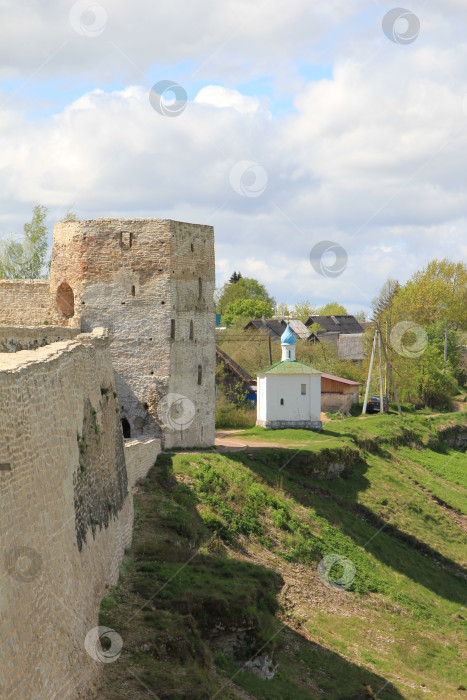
(227, 565)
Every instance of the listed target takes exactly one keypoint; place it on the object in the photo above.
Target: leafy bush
(230, 417)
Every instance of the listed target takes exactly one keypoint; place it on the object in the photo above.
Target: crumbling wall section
(66, 515)
(16, 338)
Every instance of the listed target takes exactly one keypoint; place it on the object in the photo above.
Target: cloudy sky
(289, 124)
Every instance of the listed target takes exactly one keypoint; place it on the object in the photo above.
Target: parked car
(373, 404)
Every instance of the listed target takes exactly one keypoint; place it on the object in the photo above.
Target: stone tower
(151, 283)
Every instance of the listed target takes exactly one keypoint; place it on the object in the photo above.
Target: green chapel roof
(289, 367)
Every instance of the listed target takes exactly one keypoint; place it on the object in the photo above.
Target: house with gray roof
(344, 332)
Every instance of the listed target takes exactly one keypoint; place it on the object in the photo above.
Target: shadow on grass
(393, 547)
(182, 603)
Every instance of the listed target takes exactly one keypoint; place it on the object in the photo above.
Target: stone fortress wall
(66, 473)
(24, 302)
(15, 338)
(66, 513)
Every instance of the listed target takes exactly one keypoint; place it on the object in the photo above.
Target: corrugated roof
(275, 327)
(342, 324)
(289, 367)
(299, 328)
(341, 380)
(272, 327)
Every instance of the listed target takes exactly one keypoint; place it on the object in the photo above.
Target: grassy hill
(231, 563)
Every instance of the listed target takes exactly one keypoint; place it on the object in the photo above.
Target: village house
(344, 332)
(338, 394)
(274, 327)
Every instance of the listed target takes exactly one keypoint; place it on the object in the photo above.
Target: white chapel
(289, 392)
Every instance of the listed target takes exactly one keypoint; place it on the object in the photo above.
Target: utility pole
(370, 372)
(386, 367)
(378, 337)
(270, 350)
(381, 403)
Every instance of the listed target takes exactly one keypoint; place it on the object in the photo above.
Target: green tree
(437, 292)
(26, 259)
(315, 328)
(283, 310)
(246, 308)
(245, 288)
(434, 300)
(333, 309)
(303, 310)
(382, 305)
(421, 380)
(418, 370)
(235, 277)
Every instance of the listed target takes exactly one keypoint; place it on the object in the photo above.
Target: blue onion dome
(288, 337)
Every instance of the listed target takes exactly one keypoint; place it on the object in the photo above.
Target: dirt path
(232, 441)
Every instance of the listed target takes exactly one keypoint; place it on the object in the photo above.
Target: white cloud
(218, 96)
(233, 39)
(373, 159)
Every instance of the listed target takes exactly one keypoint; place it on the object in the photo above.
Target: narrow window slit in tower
(126, 239)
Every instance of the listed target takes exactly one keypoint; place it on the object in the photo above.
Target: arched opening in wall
(200, 374)
(126, 427)
(191, 330)
(200, 288)
(66, 300)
